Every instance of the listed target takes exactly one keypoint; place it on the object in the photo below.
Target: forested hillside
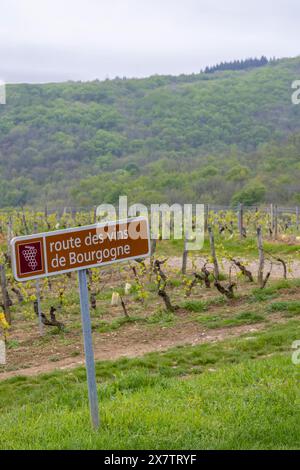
(218, 137)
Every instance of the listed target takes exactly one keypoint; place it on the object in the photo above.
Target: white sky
(56, 40)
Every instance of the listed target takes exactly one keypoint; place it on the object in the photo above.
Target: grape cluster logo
(30, 256)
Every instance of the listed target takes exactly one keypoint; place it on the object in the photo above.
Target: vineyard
(244, 284)
(245, 249)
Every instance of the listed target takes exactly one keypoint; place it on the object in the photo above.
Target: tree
(253, 194)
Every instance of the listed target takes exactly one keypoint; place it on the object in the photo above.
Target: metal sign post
(38, 299)
(88, 347)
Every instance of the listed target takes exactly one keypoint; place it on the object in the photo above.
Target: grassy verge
(242, 393)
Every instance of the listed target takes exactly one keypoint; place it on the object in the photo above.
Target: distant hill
(208, 137)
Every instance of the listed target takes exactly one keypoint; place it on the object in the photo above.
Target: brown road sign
(77, 249)
(63, 251)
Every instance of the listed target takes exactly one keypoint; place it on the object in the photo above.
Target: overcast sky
(56, 40)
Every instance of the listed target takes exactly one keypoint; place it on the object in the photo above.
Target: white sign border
(73, 229)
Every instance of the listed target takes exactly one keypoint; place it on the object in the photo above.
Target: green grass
(161, 317)
(243, 318)
(195, 305)
(261, 295)
(172, 282)
(237, 394)
(290, 308)
(105, 327)
(12, 344)
(203, 305)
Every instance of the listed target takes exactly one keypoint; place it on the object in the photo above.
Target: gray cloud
(54, 40)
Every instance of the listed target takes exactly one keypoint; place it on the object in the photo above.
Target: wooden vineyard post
(206, 216)
(153, 246)
(46, 217)
(24, 221)
(152, 253)
(261, 263)
(9, 237)
(274, 221)
(185, 255)
(297, 218)
(213, 252)
(240, 220)
(39, 308)
(5, 296)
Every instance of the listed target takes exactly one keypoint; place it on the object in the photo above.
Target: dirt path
(175, 263)
(134, 341)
